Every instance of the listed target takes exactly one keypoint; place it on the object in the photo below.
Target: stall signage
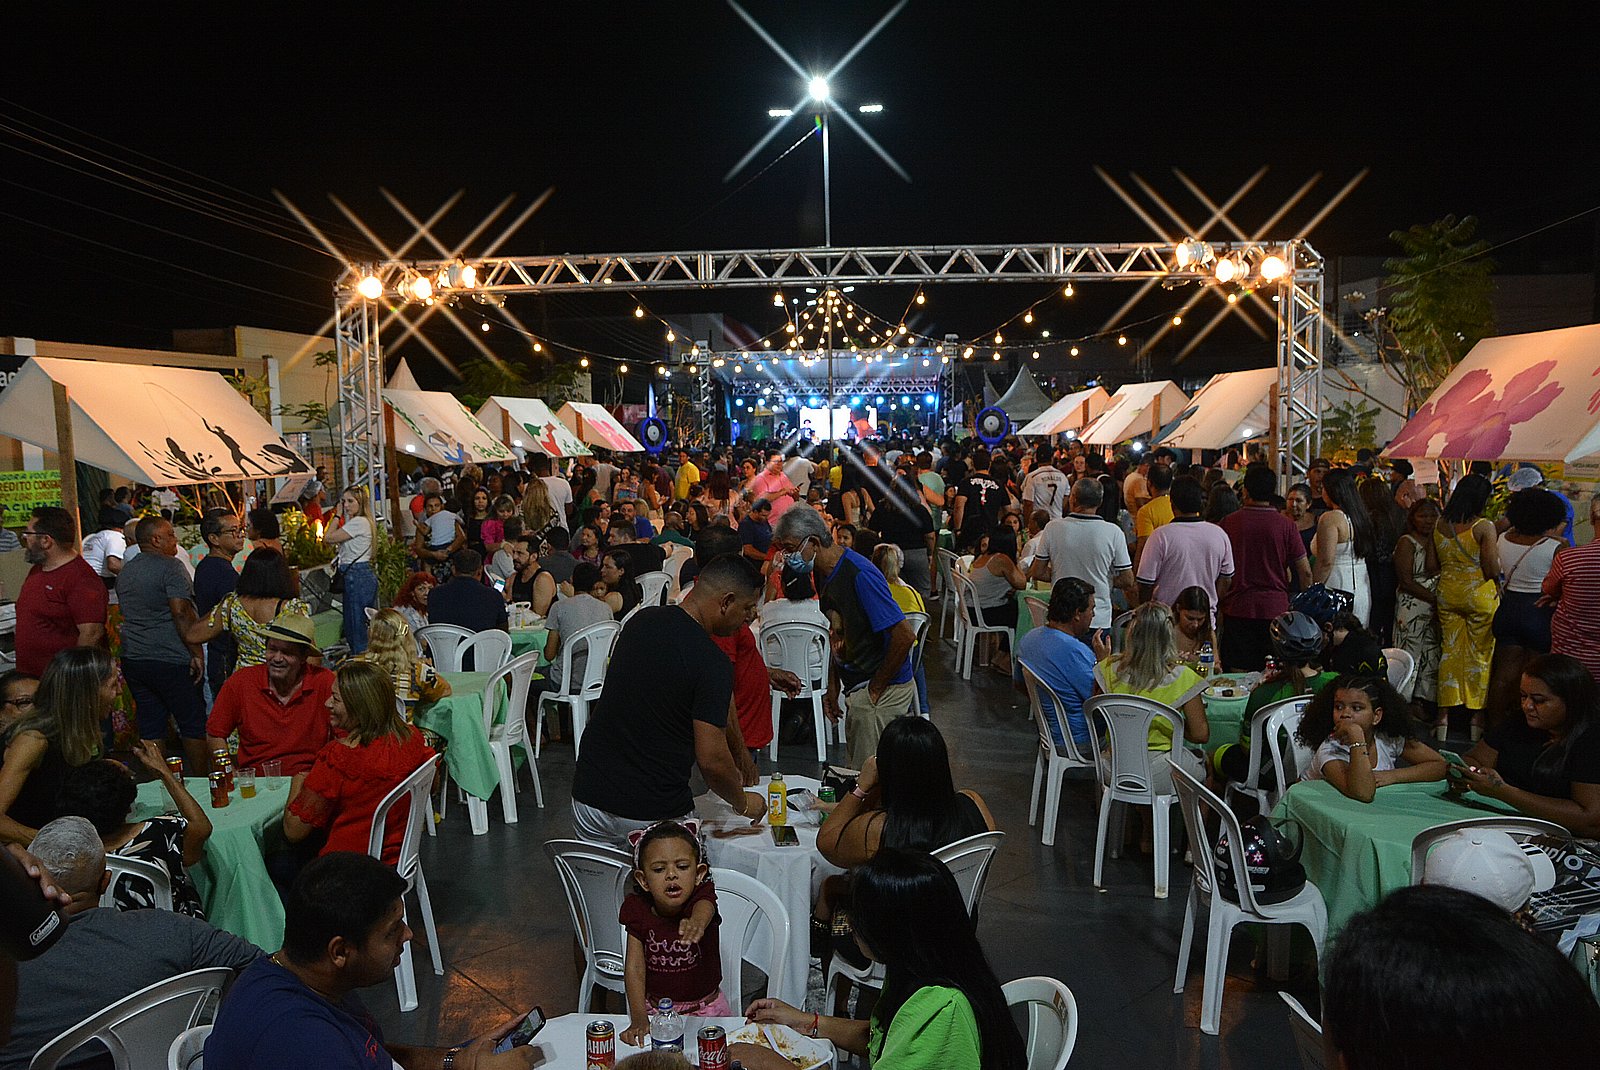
(23, 492)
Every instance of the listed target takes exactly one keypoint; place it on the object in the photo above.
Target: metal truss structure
(1300, 334)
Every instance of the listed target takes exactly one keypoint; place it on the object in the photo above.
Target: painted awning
(1524, 397)
(156, 425)
(1136, 409)
(434, 426)
(1072, 413)
(528, 423)
(1230, 408)
(597, 427)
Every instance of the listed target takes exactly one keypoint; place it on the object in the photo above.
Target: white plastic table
(561, 1044)
(794, 874)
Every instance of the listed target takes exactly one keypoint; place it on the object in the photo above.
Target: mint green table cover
(1225, 716)
(526, 639)
(458, 717)
(1356, 852)
(232, 878)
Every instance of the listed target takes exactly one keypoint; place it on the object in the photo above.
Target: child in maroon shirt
(671, 919)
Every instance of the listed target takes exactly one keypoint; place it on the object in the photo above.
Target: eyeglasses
(25, 701)
(26, 534)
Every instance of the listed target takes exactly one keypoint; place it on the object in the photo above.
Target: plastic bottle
(1208, 660)
(666, 1028)
(777, 801)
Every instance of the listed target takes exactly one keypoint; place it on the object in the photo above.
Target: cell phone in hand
(785, 836)
(1455, 765)
(524, 1033)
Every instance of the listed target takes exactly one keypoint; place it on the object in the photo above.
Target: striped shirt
(1574, 581)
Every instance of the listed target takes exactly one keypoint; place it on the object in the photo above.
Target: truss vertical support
(947, 381)
(705, 396)
(1301, 335)
(360, 354)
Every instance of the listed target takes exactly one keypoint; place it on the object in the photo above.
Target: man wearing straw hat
(280, 707)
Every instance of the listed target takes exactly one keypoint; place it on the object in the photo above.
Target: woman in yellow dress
(1468, 565)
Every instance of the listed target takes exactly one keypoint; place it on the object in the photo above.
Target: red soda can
(601, 1045)
(176, 765)
(219, 791)
(713, 1043)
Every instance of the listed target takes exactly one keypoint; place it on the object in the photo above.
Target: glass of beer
(247, 783)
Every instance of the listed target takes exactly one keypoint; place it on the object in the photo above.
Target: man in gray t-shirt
(570, 615)
(163, 671)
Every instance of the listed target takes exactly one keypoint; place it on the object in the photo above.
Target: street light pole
(827, 184)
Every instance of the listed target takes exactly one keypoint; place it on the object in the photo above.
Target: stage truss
(1300, 321)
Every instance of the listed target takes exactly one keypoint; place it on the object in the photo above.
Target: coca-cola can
(601, 1044)
(712, 1041)
(176, 765)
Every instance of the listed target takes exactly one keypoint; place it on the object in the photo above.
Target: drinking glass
(247, 783)
(272, 769)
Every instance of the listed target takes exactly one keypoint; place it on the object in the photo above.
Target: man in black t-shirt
(979, 500)
(664, 710)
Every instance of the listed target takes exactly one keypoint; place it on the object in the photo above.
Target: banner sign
(22, 492)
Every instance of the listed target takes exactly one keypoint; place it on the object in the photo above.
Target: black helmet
(1320, 603)
(1296, 637)
(1272, 859)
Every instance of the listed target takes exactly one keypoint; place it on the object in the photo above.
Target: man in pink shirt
(1188, 552)
(770, 483)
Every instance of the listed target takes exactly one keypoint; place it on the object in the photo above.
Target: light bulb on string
(638, 313)
(997, 338)
(484, 326)
(921, 300)
(1074, 350)
(1177, 321)
(997, 354)
(1035, 354)
(1122, 339)
(538, 348)
(1066, 291)
(583, 362)
(1027, 317)
(967, 355)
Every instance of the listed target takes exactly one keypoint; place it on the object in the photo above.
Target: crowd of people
(1194, 568)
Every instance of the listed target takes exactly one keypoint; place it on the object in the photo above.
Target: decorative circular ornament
(653, 433)
(992, 425)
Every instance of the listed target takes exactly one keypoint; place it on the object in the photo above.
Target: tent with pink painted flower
(1523, 397)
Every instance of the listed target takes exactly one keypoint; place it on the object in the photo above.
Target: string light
(921, 300)
(661, 370)
(997, 354)
(638, 313)
(1233, 299)
(997, 338)
(1035, 354)
(1122, 339)
(1066, 291)
(1027, 317)
(1074, 350)
(484, 326)
(1177, 321)
(967, 355)
(671, 337)
(537, 348)
(622, 369)
(583, 362)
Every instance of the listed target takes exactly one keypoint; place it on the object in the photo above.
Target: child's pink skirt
(713, 1006)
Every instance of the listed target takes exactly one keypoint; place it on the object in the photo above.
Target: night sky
(633, 112)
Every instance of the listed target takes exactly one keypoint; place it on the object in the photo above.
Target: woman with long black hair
(1345, 542)
(941, 1003)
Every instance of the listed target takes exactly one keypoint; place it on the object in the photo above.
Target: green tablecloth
(1356, 852)
(330, 627)
(526, 639)
(458, 717)
(232, 879)
(1225, 716)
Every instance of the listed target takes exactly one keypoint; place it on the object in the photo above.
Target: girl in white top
(1363, 732)
(1528, 548)
(1345, 539)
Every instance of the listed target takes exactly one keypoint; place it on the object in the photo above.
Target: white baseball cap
(1490, 863)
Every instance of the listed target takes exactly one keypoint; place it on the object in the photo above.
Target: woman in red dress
(374, 749)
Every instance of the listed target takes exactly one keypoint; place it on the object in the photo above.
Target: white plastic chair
(654, 585)
(1119, 630)
(800, 647)
(1402, 670)
(974, 624)
(1514, 825)
(1038, 611)
(1126, 776)
(743, 905)
(1276, 722)
(122, 869)
(489, 650)
(921, 624)
(443, 643)
(595, 877)
(1307, 1035)
(948, 565)
(414, 793)
(595, 642)
(515, 676)
(1306, 908)
(968, 861)
(139, 1029)
(188, 1051)
(1052, 1019)
(1053, 760)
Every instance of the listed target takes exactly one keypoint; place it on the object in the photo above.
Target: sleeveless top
(35, 804)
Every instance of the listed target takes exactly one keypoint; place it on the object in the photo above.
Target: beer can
(176, 765)
(219, 791)
(713, 1044)
(601, 1045)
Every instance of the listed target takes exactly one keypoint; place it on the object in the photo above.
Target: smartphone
(1456, 765)
(525, 1031)
(785, 836)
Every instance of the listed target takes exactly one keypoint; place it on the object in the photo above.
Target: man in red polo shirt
(62, 602)
(280, 707)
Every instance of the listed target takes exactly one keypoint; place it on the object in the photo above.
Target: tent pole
(391, 464)
(66, 453)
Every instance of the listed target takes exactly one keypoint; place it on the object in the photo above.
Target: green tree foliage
(537, 376)
(1439, 305)
(1349, 426)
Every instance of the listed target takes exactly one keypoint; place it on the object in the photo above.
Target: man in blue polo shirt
(872, 639)
(1063, 654)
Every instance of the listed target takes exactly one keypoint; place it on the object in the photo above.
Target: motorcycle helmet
(1296, 638)
(1271, 859)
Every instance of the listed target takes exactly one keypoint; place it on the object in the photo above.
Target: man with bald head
(105, 955)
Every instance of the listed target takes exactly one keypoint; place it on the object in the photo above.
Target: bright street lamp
(818, 89)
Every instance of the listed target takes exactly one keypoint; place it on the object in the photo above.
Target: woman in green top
(1297, 642)
(941, 1000)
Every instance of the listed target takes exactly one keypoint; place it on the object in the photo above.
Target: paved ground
(508, 943)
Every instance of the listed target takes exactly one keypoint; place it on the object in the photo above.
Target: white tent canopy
(597, 427)
(1136, 409)
(1525, 397)
(1230, 408)
(433, 425)
(1072, 413)
(528, 423)
(1023, 400)
(159, 426)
